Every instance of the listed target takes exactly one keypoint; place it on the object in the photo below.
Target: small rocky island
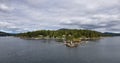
(70, 37)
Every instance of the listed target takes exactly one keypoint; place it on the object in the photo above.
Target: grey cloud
(28, 15)
(105, 25)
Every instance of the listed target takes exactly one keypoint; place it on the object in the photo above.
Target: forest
(61, 33)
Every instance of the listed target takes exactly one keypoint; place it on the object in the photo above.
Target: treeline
(76, 33)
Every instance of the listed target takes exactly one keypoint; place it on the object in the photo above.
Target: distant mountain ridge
(110, 34)
(5, 34)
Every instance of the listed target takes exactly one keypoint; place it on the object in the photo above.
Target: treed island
(60, 34)
(71, 37)
(66, 34)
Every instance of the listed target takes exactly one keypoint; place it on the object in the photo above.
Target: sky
(29, 15)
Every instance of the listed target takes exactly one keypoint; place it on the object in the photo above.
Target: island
(68, 34)
(70, 37)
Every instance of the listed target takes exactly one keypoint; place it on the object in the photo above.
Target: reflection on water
(16, 50)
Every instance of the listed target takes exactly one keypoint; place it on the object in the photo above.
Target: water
(15, 50)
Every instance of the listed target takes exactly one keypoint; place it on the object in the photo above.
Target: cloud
(94, 22)
(5, 8)
(28, 15)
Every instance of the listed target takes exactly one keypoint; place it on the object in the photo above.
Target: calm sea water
(16, 50)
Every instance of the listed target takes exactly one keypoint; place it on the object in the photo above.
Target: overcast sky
(28, 15)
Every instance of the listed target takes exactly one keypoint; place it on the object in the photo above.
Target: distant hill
(6, 34)
(110, 34)
(63, 29)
